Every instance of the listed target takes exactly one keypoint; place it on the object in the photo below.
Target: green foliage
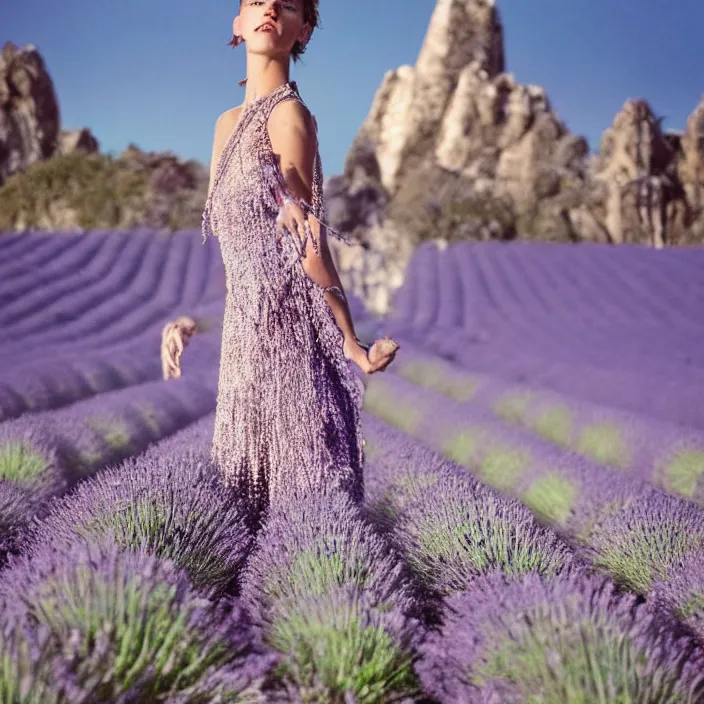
(314, 572)
(480, 545)
(148, 415)
(19, 463)
(604, 443)
(693, 604)
(555, 424)
(139, 625)
(502, 467)
(460, 387)
(551, 497)
(512, 406)
(98, 188)
(431, 202)
(336, 650)
(573, 661)
(683, 471)
(403, 490)
(143, 522)
(463, 445)
(380, 401)
(112, 430)
(639, 556)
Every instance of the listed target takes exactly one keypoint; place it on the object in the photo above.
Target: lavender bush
(647, 539)
(455, 531)
(17, 505)
(682, 591)
(28, 671)
(127, 626)
(311, 544)
(173, 506)
(570, 639)
(30, 456)
(341, 647)
(667, 454)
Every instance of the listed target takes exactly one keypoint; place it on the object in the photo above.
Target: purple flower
(174, 506)
(29, 455)
(126, 626)
(646, 540)
(340, 646)
(683, 591)
(310, 545)
(561, 639)
(457, 530)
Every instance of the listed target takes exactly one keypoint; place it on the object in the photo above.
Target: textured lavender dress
(288, 414)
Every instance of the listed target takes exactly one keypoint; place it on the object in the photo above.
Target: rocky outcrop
(29, 113)
(691, 169)
(454, 148)
(82, 140)
(635, 190)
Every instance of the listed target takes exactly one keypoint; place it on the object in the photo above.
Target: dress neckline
(275, 91)
(240, 123)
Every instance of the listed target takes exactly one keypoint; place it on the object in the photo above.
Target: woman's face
(285, 15)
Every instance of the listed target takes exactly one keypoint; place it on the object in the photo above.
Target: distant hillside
(79, 191)
(54, 179)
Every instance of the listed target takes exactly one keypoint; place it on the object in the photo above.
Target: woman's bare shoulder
(229, 118)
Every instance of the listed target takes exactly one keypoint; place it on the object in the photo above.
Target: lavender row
(173, 504)
(44, 454)
(569, 638)
(87, 262)
(73, 376)
(30, 252)
(154, 546)
(141, 256)
(672, 398)
(480, 289)
(485, 650)
(136, 294)
(480, 324)
(94, 622)
(668, 455)
(448, 526)
(626, 526)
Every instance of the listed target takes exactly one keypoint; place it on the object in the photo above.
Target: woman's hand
(293, 218)
(359, 355)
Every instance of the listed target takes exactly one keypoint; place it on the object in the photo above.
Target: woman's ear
(305, 33)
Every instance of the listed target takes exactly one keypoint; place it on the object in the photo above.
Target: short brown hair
(310, 15)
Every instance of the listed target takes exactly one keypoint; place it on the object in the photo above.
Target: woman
(288, 406)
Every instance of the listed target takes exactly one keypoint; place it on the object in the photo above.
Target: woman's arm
(294, 141)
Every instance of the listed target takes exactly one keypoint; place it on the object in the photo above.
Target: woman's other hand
(359, 355)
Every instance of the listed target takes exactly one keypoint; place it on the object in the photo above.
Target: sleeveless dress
(288, 415)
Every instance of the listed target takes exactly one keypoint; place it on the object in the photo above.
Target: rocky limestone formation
(454, 148)
(691, 169)
(451, 148)
(29, 114)
(82, 140)
(635, 191)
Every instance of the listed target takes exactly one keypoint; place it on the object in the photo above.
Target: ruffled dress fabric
(288, 415)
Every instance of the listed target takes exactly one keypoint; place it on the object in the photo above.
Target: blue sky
(158, 73)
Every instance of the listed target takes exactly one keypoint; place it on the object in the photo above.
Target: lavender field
(533, 529)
